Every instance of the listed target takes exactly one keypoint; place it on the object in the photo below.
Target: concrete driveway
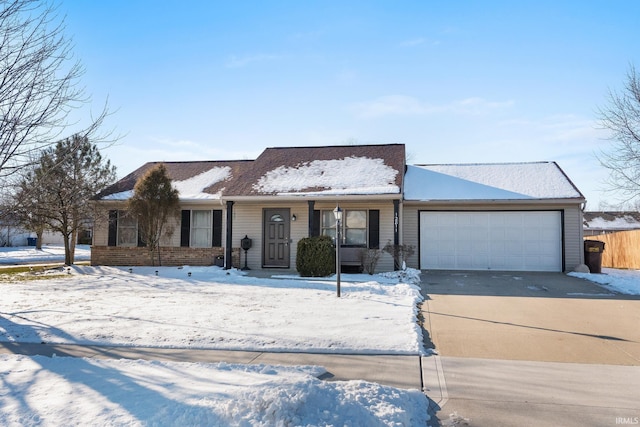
(530, 349)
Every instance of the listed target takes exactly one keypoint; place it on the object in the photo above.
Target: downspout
(396, 231)
(228, 261)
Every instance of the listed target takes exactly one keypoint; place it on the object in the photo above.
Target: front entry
(275, 251)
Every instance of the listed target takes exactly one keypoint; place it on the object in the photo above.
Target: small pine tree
(153, 203)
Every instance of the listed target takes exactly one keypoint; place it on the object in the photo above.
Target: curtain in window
(201, 229)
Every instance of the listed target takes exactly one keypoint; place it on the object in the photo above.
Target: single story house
(520, 216)
(596, 223)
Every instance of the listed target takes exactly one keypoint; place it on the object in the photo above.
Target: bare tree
(39, 82)
(622, 157)
(153, 203)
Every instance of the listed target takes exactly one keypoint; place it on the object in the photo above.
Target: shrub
(370, 259)
(400, 253)
(316, 257)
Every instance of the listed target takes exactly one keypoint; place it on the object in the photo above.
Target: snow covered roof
(611, 221)
(194, 180)
(490, 181)
(332, 170)
(288, 171)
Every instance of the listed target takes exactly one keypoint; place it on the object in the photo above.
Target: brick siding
(170, 256)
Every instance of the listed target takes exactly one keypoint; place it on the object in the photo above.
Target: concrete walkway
(393, 370)
(490, 392)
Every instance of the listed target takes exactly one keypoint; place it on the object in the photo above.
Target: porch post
(396, 230)
(228, 261)
(311, 204)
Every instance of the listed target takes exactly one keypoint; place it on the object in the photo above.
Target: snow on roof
(193, 188)
(123, 195)
(611, 221)
(190, 188)
(350, 175)
(506, 181)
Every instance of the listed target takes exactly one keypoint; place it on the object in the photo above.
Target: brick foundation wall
(170, 256)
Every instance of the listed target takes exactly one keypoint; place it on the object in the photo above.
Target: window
(127, 229)
(354, 226)
(201, 229)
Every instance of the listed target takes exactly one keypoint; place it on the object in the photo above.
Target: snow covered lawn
(212, 308)
(61, 391)
(204, 307)
(52, 253)
(622, 281)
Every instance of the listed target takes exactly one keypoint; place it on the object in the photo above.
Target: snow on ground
(52, 253)
(622, 281)
(212, 308)
(38, 391)
(209, 308)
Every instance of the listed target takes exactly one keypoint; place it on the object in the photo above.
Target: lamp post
(338, 214)
(245, 244)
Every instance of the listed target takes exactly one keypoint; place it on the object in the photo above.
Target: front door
(276, 238)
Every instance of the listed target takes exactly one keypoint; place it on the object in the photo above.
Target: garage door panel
(498, 240)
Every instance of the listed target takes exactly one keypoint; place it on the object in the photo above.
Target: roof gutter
(579, 200)
(316, 197)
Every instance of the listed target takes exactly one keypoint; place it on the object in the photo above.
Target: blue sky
(456, 81)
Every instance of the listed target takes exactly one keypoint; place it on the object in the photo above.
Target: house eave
(312, 196)
(561, 201)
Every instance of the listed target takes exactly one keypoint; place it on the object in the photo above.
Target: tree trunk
(39, 234)
(68, 259)
(72, 243)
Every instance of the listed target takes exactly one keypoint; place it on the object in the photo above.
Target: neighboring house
(13, 234)
(610, 222)
(504, 217)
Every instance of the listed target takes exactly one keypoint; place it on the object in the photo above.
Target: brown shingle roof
(393, 155)
(245, 174)
(179, 171)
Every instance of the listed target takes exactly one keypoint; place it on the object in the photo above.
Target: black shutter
(374, 229)
(217, 229)
(113, 228)
(185, 228)
(315, 230)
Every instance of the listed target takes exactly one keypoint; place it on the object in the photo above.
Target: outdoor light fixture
(294, 217)
(338, 214)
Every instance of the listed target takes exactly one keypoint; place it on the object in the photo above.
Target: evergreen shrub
(316, 257)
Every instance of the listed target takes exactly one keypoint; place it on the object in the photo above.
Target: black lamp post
(338, 214)
(245, 244)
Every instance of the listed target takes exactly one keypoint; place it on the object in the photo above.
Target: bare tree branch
(39, 83)
(622, 118)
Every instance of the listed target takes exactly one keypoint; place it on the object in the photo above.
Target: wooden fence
(621, 249)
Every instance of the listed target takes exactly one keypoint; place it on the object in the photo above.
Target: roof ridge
(486, 164)
(311, 147)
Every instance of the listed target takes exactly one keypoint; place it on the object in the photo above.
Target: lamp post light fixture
(338, 214)
(245, 244)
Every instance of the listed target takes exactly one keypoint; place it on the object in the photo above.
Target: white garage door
(511, 241)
